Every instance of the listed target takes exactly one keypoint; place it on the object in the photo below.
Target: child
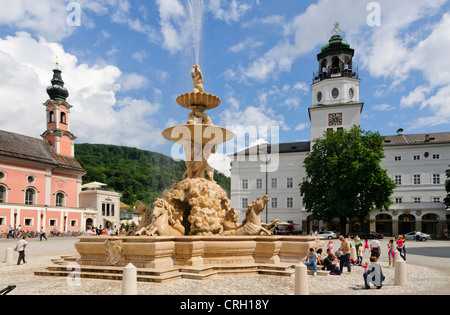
(330, 245)
(366, 245)
(360, 256)
(390, 246)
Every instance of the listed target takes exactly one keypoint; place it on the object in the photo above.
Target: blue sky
(127, 61)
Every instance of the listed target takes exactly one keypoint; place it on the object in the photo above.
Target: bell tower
(58, 117)
(335, 90)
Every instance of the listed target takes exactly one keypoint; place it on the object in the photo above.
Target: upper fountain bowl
(198, 99)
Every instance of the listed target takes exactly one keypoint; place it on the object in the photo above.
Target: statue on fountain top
(197, 76)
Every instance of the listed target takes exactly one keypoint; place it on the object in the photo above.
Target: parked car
(364, 235)
(423, 237)
(327, 235)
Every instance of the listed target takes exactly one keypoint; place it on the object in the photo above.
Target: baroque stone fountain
(192, 232)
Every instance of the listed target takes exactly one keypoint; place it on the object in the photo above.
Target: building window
(274, 183)
(416, 179)
(259, 183)
(397, 158)
(398, 200)
(245, 184)
(290, 182)
(416, 157)
(436, 199)
(112, 210)
(244, 203)
(63, 118)
(290, 202)
(416, 199)
(51, 117)
(53, 222)
(28, 222)
(30, 195)
(274, 203)
(2, 194)
(398, 180)
(59, 200)
(2, 221)
(31, 179)
(436, 179)
(2, 175)
(73, 223)
(436, 156)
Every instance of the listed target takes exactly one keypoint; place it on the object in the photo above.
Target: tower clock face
(335, 119)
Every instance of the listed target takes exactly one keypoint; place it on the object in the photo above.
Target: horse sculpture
(252, 222)
(162, 223)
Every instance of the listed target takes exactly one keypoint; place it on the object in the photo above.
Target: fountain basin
(198, 133)
(170, 251)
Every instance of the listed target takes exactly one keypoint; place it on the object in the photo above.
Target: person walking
(311, 260)
(20, 248)
(345, 257)
(417, 236)
(10, 232)
(43, 234)
(375, 247)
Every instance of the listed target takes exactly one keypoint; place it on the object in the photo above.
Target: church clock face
(335, 119)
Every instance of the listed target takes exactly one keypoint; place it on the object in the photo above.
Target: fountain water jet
(196, 13)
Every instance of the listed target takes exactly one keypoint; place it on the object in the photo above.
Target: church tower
(58, 117)
(335, 90)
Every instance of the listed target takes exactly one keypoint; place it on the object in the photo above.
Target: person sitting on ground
(311, 260)
(319, 257)
(373, 274)
(330, 263)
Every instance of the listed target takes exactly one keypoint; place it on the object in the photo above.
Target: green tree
(447, 188)
(345, 179)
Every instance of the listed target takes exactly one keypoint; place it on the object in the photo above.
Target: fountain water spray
(196, 13)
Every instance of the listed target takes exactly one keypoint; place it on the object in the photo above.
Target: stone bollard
(396, 256)
(9, 257)
(400, 273)
(129, 281)
(301, 280)
(353, 253)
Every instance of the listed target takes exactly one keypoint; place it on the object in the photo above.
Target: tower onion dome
(57, 91)
(336, 45)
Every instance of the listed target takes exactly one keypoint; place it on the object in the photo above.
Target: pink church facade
(40, 179)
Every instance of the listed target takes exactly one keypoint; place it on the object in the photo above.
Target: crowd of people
(92, 231)
(337, 261)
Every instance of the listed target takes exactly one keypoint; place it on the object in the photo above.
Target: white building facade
(416, 163)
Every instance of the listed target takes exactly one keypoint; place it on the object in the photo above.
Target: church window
(2, 194)
(59, 200)
(63, 118)
(51, 117)
(30, 195)
(335, 93)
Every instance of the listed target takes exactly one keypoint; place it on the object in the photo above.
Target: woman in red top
(401, 246)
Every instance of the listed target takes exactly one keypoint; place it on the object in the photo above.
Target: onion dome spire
(57, 91)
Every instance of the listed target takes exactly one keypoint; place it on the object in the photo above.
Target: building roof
(36, 150)
(416, 139)
(397, 140)
(289, 147)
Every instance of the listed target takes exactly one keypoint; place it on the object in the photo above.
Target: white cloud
(234, 13)
(302, 126)
(383, 107)
(97, 115)
(249, 43)
(133, 81)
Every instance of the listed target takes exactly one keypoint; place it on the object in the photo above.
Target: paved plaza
(428, 272)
